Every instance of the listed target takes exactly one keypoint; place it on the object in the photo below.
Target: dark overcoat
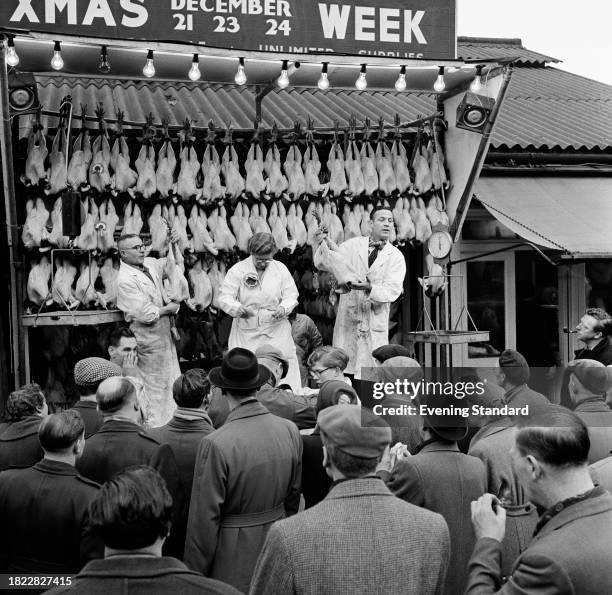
(247, 475)
(19, 445)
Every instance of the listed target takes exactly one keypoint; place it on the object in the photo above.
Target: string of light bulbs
(240, 78)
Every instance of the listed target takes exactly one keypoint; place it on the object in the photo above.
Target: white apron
(275, 288)
(140, 299)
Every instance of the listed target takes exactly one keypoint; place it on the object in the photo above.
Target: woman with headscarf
(315, 481)
(259, 292)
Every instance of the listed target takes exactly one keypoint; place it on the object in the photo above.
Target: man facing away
(360, 539)
(247, 475)
(43, 509)
(132, 515)
(513, 375)
(572, 545)
(363, 312)
(183, 434)
(149, 311)
(88, 374)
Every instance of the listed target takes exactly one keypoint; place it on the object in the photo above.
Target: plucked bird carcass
(254, 167)
(99, 172)
(186, 184)
(336, 264)
(166, 164)
(279, 230)
(312, 164)
(240, 225)
(88, 238)
(175, 283)
(38, 281)
(216, 274)
(132, 219)
(62, 287)
(436, 163)
(200, 237)
(384, 164)
(335, 165)
(277, 183)
(435, 283)
(294, 172)
(158, 228)
(78, 166)
(212, 190)
(108, 274)
(56, 235)
(56, 178)
(200, 286)
(85, 291)
(403, 221)
(124, 177)
(351, 223)
(145, 163)
(422, 174)
(399, 159)
(37, 153)
(352, 166)
(295, 224)
(422, 226)
(230, 166)
(108, 223)
(34, 231)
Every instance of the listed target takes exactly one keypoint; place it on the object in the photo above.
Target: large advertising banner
(410, 29)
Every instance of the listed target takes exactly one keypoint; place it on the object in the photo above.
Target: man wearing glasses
(141, 299)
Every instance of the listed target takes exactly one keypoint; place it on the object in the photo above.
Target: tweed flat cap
(269, 352)
(593, 375)
(354, 430)
(93, 370)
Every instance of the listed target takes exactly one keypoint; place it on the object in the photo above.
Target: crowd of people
(271, 473)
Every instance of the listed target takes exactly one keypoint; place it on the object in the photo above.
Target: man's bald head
(114, 394)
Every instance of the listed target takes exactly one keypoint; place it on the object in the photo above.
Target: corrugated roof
(487, 48)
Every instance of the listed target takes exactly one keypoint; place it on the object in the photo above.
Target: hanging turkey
(293, 166)
(125, 177)
(99, 172)
(352, 163)
(212, 190)
(369, 162)
(186, 184)
(435, 283)
(312, 164)
(422, 174)
(145, 164)
(38, 282)
(166, 164)
(78, 166)
(37, 153)
(384, 164)
(335, 165)
(399, 160)
(57, 159)
(277, 183)
(254, 166)
(230, 166)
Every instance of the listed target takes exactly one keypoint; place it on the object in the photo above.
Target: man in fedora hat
(278, 398)
(442, 479)
(247, 475)
(360, 538)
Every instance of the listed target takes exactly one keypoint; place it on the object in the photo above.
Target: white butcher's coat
(140, 300)
(276, 288)
(362, 322)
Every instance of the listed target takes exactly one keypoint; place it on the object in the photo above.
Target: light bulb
(104, 66)
(57, 63)
(283, 79)
(194, 72)
(361, 83)
(440, 85)
(12, 59)
(240, 78)
(149, 67)
(476, 84)
(323, 82)
(400, 83)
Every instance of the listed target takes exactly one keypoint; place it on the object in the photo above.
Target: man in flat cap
(513, 375)
(247, 475)
(278, 398)
(88, 374)
(589, 380)
(360, 538)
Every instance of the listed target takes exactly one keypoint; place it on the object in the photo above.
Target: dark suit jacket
(140, 575)
(597, 417)
(19, 445)
(92, 418)
(360, 540)
(570, 554)
(247, 475)
(119, 444)
(446, 481)
(183, 437)
(315, 481)
(44, 520)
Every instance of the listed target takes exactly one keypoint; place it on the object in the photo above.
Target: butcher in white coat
(259, 293)
(362, 322)
(142, 299)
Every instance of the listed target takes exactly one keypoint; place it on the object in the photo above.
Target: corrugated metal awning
(573, 215)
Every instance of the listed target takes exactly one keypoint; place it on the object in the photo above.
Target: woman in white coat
(259, 293)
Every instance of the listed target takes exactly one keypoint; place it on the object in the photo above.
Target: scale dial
(440, 244)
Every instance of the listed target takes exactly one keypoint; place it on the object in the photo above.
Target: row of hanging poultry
(352, 170)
